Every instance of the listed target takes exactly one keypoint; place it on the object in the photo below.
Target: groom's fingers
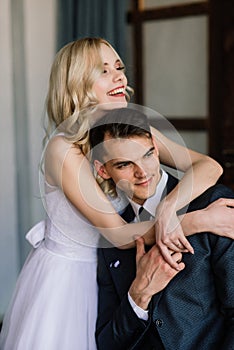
(166, 253)
(140, 248)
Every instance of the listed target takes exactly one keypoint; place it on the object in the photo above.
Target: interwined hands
(169, 236)
(153, 273)
(218, 218)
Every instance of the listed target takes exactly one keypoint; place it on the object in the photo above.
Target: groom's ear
(101, 170)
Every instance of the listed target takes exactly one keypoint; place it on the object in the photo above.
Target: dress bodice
(67, 228)
(65, 232)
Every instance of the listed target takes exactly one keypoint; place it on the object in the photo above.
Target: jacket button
(159, 323)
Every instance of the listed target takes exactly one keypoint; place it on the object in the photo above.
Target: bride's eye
(121, 68)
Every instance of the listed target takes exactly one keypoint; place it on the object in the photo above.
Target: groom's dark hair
(117, 123)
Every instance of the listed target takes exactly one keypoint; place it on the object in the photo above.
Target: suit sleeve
(222, 260)
(223, 266)
(118, 327)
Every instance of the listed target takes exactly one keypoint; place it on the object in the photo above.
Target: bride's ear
(101, 170)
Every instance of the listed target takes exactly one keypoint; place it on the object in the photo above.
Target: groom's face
(133, 165)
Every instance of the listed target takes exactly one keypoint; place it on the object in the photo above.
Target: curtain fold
(101, 18)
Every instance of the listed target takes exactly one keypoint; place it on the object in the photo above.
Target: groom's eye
(149, 153)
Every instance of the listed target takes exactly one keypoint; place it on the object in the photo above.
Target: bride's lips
(117, 92)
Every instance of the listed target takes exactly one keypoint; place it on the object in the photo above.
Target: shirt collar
(151, 203)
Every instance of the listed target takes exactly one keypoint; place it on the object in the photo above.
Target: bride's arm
(68, 168)
(200, 172)
(217, 217)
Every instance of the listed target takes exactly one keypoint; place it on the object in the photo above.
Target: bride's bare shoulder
(57, 153)
(59, 146)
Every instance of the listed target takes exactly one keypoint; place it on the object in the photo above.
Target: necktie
(128, 215)
(144, 215)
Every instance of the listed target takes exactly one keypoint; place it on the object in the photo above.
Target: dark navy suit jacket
(194, 312)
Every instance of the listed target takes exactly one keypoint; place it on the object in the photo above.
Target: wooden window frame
(137, 17)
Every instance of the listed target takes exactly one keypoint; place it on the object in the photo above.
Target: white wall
(8, 217)
(40, 33)
(27, 41)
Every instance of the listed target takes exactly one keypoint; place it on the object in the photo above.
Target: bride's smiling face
(110, 87)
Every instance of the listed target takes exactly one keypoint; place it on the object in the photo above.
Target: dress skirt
(54, 306)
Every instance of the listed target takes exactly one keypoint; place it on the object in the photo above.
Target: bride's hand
(218, 217)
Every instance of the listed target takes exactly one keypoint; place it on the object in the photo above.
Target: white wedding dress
(54, 306)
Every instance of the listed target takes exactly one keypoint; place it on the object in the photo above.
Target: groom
(196, 309)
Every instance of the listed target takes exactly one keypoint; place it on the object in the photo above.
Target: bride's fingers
(223, 202)
(174, 247)
(181, 244)
(230, 203)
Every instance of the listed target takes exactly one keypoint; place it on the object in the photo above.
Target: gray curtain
(101, 18)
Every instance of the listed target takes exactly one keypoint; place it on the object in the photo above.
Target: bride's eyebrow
(116, 62)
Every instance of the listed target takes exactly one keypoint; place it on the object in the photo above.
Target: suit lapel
(122, 267)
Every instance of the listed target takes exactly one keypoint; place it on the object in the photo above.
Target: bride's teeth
(116, 91)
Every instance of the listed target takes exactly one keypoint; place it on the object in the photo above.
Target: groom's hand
(153, 273)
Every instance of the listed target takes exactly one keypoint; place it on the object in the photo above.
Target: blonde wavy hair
(70, 96)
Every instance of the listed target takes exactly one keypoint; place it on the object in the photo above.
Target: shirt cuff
(141, 313)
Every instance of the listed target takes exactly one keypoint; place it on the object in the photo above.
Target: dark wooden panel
(188, 124)
(220, 123)
(138, 62)
(195, 124)
(222, 86)
(168, 12)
